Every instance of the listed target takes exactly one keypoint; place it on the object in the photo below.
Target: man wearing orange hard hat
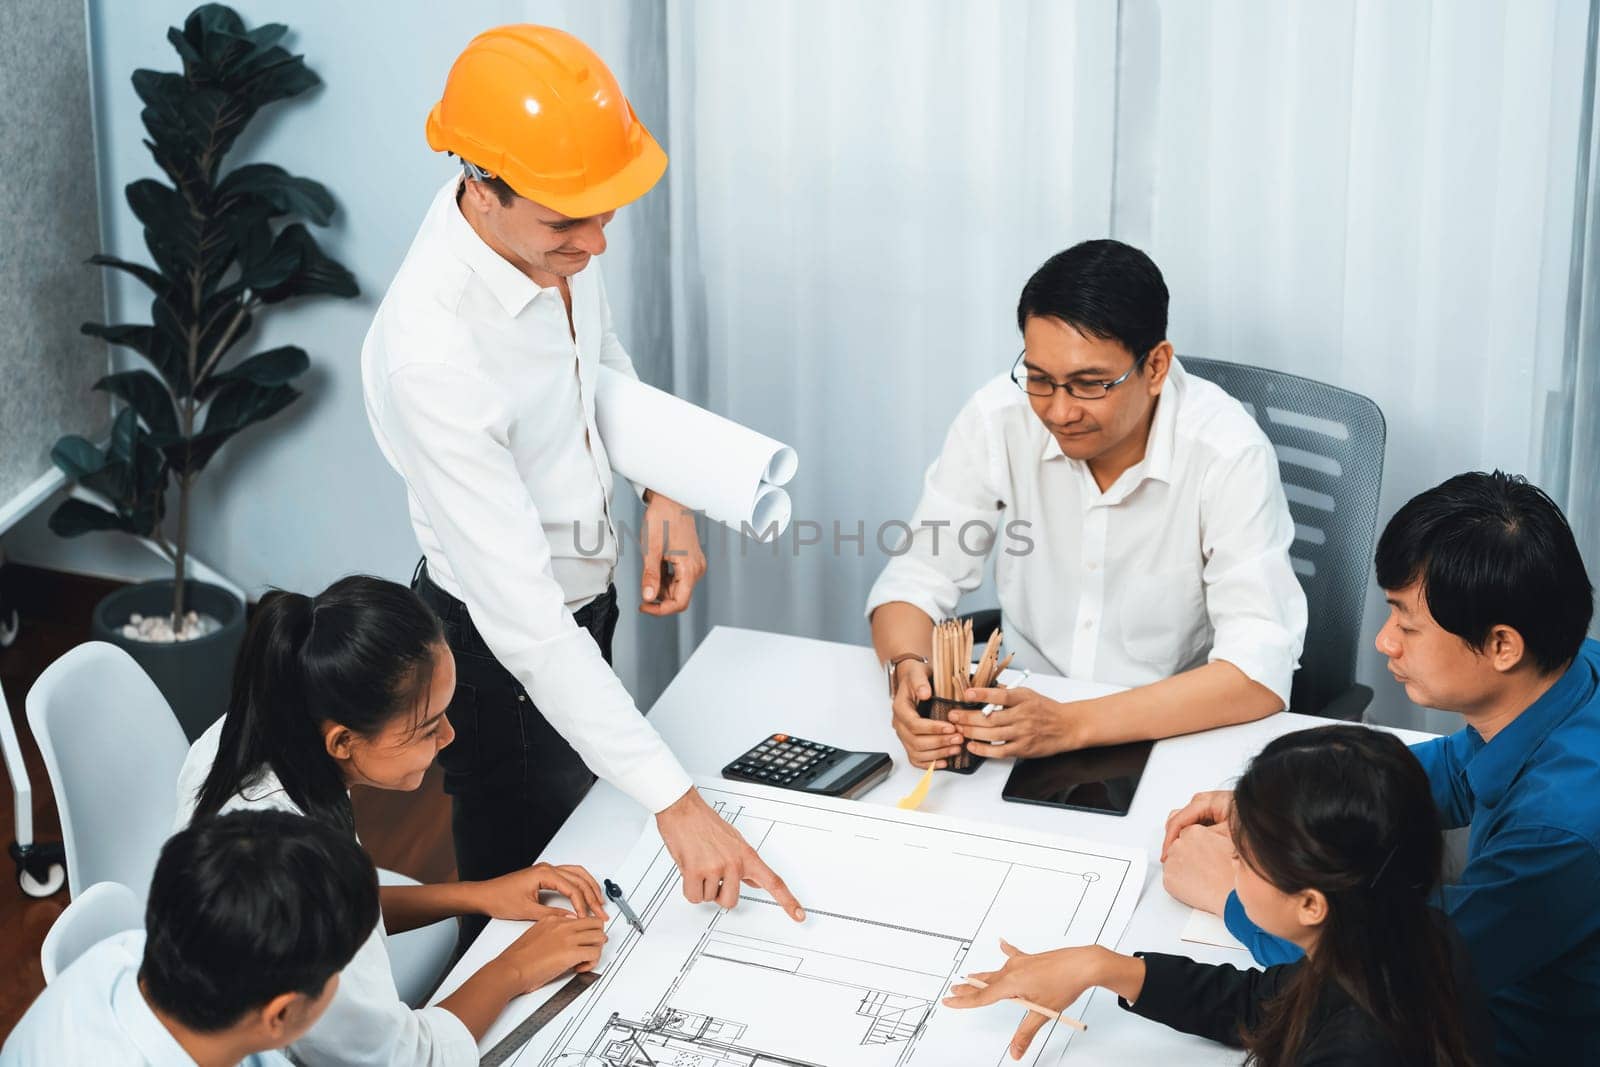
(479, 374)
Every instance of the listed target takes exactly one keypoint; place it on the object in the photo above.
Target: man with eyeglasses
(1147, 533)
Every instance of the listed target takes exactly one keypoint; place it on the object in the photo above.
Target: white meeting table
(741, 686)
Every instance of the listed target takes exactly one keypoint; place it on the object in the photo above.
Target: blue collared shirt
(1528, 902)
(94, 1013)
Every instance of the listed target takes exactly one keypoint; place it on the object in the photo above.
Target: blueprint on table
(899, 905)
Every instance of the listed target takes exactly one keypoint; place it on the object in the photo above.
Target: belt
(452, 610)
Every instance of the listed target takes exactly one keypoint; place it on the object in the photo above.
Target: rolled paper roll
(698, 458)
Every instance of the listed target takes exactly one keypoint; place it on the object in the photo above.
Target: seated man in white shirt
(251, 917)
(1143, 532)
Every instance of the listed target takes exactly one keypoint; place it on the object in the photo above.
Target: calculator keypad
(783, 760)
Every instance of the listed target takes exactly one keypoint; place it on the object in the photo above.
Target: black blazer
(1217, 1001)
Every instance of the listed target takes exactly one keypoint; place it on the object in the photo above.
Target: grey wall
(49, 223)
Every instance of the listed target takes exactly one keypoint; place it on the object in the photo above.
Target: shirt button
(1088, 624)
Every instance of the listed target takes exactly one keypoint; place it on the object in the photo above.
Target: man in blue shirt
(1489, 603)
(251, 917)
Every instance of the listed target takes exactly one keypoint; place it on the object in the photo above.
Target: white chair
(112, 748)
(103, 909)
(418, 958)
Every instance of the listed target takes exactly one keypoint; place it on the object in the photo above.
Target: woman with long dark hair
(1337, 848)
(347, 688)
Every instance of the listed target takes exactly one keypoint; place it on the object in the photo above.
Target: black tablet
(1100, 780)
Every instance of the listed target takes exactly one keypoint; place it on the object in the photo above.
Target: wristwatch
(888, 668)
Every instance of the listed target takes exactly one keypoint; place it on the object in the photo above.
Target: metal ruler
(513, 1042)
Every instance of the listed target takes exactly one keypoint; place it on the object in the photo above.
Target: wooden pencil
(984, 676)
(1033, 1006)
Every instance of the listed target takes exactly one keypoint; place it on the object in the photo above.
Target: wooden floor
(406, 832)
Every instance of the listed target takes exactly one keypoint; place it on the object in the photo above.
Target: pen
(990, 709)
(614, 892)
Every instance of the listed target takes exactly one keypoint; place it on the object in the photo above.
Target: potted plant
(224, 248)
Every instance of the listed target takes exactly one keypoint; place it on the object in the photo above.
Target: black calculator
(810, 767)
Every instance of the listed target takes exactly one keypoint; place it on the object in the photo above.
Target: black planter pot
(194, 676)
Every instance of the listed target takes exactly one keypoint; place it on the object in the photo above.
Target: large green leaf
(166, 113)
(160, 89)
(316, 273)
(156, 205)
(213, 38)
(77, 457)
(282, 191)
(109, 473)
(150, 343)
(276, 366)
(218, 50)
(154, 280)
(186, 118)
(243, 403)
(181, 166)
(170, 230)
(265, 262)
(129, 335)
(131, 474)
(277, 75)
(74, 517)
(145, 393)
(236, 406)
(124, 437)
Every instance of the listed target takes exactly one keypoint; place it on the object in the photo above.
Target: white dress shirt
(94, 1013)
(1182, 560)
(367, 1025)
(483, 401)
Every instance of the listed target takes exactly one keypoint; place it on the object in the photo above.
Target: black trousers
(512, 779)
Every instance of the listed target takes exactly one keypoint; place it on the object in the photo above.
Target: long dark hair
(1347, 811)
(359, 653)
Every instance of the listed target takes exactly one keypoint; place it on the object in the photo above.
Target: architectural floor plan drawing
(899, 906)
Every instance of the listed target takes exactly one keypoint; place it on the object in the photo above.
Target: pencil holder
(938, 709)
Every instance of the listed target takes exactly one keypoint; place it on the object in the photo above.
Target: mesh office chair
(1330, 457)
(1330, 445)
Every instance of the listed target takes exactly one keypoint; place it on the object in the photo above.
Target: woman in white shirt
(350, 687)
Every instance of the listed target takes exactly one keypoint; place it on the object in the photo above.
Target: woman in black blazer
(1337, 848)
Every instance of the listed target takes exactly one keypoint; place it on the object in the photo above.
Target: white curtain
(859, 192)
(1377, 194)
(1573, 429)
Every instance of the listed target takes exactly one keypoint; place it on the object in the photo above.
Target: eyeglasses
(1038, 385)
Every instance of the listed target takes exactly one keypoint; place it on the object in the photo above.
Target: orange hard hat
(536, 107)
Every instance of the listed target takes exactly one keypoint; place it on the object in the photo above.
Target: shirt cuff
(452, 1040)
(657, 786)
(1262, 651)
(903, 588)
